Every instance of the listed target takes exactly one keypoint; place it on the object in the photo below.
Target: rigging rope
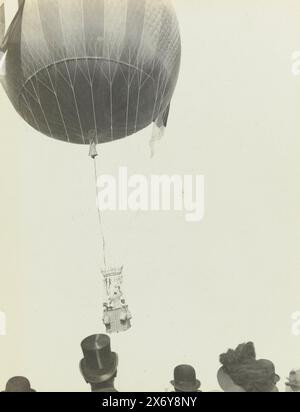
(99, 213)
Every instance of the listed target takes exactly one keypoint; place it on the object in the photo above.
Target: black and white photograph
(149, 198)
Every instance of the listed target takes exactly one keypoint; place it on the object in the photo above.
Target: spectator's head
(18, 384)
(99, 365)
(185, 379)
(293, 383)
(242, 372)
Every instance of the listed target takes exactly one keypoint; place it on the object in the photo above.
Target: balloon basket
(116, 315)
(117, 320)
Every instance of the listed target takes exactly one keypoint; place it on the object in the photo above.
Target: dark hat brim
(94, 376)
(185, 386)
(30, 390)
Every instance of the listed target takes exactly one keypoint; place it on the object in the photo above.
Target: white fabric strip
(10, 8)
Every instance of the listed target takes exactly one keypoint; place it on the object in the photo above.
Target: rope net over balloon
(104, 65)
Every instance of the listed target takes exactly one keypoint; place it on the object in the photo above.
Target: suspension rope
(98, 209)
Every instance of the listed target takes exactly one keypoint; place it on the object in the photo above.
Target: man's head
(185, 379)
(107, 386)
(99, 365)
(293, 383)
(18, 384)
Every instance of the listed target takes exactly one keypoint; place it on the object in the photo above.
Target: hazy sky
(194, 289)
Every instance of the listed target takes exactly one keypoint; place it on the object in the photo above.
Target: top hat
(18, 384)
(185, 379)
(294, 379)
(99, 363)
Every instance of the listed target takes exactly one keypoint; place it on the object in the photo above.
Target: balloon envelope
(101, 68)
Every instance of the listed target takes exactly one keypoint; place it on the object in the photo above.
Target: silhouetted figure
(185, 379)
(242, 372)
(293, 383)
(18, 384)
(99, 365)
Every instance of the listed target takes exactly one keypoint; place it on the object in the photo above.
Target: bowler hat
(185, 379)
(99, 363)
(18, 384)
(268, 368)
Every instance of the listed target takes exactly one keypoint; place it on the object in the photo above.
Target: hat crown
(184, 374)
(97, 352)
(18, 384)
(95, 342)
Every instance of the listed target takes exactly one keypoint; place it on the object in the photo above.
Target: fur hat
(246, 371)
